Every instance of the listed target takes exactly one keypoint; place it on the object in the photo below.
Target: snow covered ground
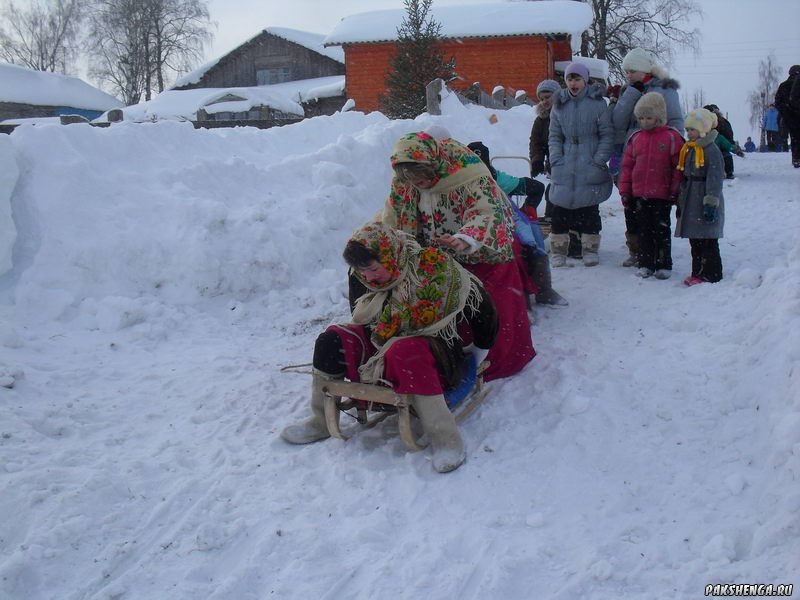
(161, 277)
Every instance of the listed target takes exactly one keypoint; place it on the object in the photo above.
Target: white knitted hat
(643, 60)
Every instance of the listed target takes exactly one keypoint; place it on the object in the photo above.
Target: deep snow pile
(162, 275)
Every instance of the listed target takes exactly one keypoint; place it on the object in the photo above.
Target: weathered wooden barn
(509, 44)
(276, 55)
(25, 94)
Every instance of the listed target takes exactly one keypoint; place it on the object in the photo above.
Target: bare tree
(698, 99)
(136, 45)
(43, 36)
(760, 98)
(620, 25)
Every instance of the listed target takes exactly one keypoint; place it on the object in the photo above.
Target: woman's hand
(452, 242)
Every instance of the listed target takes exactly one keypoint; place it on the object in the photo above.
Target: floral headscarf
(464, 199)
(427, 292)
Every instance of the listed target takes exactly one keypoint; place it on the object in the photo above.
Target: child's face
(575, 84)
(647, 122)
(692, 134)
(634, 76)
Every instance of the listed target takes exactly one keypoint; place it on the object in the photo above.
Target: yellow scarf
(699, 155)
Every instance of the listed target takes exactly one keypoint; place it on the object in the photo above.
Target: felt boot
(314, 428)
(440, 426)
(540, 273)
(632, 242)
(591, 247)
(559, 244)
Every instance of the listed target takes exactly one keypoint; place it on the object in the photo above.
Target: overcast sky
(736, 35)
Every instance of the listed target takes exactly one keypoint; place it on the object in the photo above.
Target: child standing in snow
(649, 184)
(701, 206)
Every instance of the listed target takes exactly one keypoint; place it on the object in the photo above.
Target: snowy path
(651, 448)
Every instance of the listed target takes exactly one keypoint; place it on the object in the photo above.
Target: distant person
(749, 145)
(771, 126)
(701, 207)
(787, 101)
(725, 130)
(581, 139)
(643, 75)
(650, 179)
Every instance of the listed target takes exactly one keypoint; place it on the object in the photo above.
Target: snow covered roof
(598, 68)
(312, 41)
(183, 105)
(40, 88)
(476, 20)
(305, 90)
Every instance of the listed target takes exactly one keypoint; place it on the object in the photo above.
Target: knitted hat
(577, 69)
(651, 105)
(794, 70)
(548, 85)
(701, 120)
(638, 59)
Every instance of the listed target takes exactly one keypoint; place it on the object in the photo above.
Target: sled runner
(369, 404)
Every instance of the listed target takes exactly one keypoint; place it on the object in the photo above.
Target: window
(273, 75)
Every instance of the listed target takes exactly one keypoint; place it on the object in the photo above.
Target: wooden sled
(374, 403)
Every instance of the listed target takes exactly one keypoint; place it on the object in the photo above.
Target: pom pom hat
(701, 120)
(652, 105)
(577, 69)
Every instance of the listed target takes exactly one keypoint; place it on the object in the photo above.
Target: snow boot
(663, 273)
(559, 244)
(575, 247)
(314, 428)
(632, 242)
(591, 246)
(540, 273)
(644, 272)
(440, 426)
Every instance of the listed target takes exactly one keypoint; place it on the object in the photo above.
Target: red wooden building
(509, 44)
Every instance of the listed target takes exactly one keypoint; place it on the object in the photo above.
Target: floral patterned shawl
(427, 292)
(464, 199)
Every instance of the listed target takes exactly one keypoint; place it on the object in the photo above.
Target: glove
(710, 204)
(639, 86)
(626, 200)
(537, 166)
(739, 153)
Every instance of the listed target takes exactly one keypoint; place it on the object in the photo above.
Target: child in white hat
(701, 206)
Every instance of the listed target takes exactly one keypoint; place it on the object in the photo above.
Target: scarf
(464, 199)
(425, 294)
(699, 155)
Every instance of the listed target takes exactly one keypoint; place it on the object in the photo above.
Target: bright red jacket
(648, 164)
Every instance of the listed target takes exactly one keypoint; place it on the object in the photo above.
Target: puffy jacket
(581, 140)
(625, 122)
(649, 164)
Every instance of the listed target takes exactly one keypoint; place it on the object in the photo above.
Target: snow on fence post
(432, 98)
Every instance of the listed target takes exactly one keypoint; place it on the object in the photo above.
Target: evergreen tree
(419, 60)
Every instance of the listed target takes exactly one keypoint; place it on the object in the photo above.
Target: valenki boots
(591, 246)
(314, 428)
(559, 245)
(632, 242)
(540, 273)
(440, 426)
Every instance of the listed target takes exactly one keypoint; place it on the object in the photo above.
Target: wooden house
(276, 55)
(509, 44)
(26, 94)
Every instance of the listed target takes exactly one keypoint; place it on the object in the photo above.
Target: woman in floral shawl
(444, 195)
(404, 333)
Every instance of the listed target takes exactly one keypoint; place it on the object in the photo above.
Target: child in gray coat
(701, 206)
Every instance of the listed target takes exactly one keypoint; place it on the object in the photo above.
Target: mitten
(626, 200)
(710, 204)
(537, 166)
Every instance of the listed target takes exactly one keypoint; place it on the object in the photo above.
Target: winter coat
(787, 101)
(697, 185)
(625, 122)
(581, 139)
(649, 164)
(770, 122)
(724, 128)
(537, 147)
